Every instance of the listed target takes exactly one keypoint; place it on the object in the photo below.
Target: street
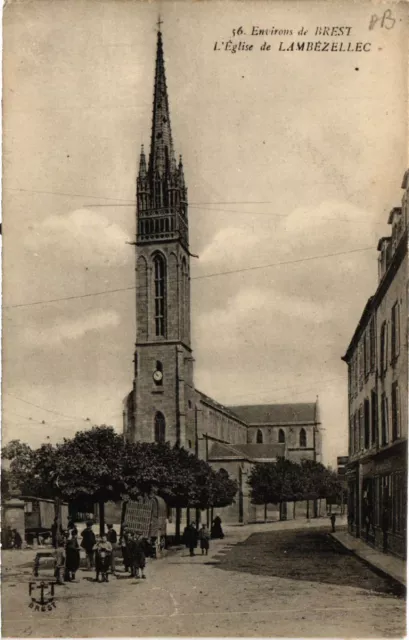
(258, 581)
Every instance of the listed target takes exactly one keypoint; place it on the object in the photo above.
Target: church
(164, 405)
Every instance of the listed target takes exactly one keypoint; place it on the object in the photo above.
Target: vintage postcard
(205, 318)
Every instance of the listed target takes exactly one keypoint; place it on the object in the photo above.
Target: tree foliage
(89, 465)
(99, 465)
(28, 470)
(287, 481)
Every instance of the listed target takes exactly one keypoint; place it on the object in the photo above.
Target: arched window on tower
(303, 438)
(281, 436)
(160, 294)
(160, 427)
(259, 437)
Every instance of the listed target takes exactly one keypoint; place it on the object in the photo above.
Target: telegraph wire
(227, 405)
(286, 262)
(209, 275)
(194, 205)
(58, 413)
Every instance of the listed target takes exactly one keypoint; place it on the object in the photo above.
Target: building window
(366, 425)
(303, 438)
(160, 294)
(281, 436)
(259, 437)
(395, 331)
(384, 420)
(366, 353)
(356, 432)
(361, 427)
(361, 364)
(384, 348)
(395, 411)
(374, 418)
(372, 344)
(160, 427)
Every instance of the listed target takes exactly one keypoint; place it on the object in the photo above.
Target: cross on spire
(159, 22)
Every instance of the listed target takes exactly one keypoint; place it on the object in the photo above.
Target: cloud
(266, 313)
(71, 331)
(228, 246)
(82, 234)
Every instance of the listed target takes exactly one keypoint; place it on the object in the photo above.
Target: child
(204, 537)
(333, 517)
(59, 560)
(103, 550)
(137, 548)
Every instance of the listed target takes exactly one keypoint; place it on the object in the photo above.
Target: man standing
(204, 537)
(112, 539)
(88, 542)
(191, 538)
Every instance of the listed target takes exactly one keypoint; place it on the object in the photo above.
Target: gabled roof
(219, 407)
(276, 414)
(261, 451)
(250, 452)
(224, 451)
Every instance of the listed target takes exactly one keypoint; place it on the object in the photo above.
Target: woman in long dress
(72, 558)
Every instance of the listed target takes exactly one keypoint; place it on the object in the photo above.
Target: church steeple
(161, 190)
(161, 152)
(160, 406)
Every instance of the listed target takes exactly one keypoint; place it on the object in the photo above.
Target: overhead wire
(202, 277)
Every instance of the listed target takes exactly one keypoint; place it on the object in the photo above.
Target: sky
(292, 159)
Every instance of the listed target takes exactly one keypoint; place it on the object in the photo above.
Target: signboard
(138, 516)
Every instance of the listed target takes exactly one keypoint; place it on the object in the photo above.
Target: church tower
(156, 409)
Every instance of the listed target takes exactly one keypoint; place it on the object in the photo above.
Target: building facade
(164, 405)
(377, 360)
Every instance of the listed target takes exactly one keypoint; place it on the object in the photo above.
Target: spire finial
(159, 22)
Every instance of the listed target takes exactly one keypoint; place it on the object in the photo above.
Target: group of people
(134, 548)
(99, 552)
(192, 536)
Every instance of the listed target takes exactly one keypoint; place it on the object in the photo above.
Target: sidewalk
(385, 563)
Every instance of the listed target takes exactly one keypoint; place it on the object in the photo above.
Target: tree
(28, 472)
(275, 483)
(319, 482)
(223, 489)
(90, 466)
(263, 481)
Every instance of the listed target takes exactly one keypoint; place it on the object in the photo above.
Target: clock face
(157, 376)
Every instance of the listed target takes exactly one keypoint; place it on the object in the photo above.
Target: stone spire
(161, 157)
(161, 190)
(142, 164)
